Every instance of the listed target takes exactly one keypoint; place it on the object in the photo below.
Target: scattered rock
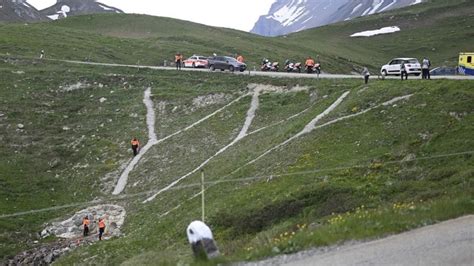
(71, 228)
(74, 87)
(66, 128)
(103, 99)
(20, 126)
(211, 99)
(410, 157)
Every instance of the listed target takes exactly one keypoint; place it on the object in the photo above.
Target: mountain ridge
(287, 16)
(22, 11)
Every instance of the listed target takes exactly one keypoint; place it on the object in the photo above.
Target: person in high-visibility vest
(85, 223)
(101, 227)
(135, 146)
(178, 58)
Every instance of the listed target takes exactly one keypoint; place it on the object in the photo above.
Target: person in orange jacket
(309, 62)
(135, 146)
(240, 58)
(85, 223)
(101, 227)
(178, 58)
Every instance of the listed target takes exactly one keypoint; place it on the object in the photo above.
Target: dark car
(226, 62)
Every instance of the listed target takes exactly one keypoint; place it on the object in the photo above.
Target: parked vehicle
(292, 67)
(267, 65)
(226, 62)
(196, 61)
(412, 66)
(443, 71)
(466, 64)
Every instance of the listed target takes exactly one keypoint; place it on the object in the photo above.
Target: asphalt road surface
(446, 243)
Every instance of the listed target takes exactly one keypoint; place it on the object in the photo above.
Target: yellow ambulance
(466, 64)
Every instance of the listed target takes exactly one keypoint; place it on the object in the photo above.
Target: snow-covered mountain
(288, 16)
(64, 8)
(19, 11)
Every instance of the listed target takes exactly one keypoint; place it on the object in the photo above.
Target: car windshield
(230, 59)
(412, 61)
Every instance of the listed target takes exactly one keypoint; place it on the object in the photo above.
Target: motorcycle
(314, 69)
(292, 67)
(269, 66)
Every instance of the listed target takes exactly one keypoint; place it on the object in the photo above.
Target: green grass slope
(392, 168)
(437, 29)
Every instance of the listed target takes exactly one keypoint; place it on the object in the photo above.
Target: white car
(196, 61)
(412, 66)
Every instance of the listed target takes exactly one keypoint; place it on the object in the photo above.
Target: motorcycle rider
(309, 64)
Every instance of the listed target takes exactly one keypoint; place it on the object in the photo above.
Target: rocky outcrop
(65, 8)
(19, 11)
(70, 236)
(72, 228)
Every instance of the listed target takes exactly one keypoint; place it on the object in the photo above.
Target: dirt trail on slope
(122, 182)
(243, 133)
(152, 140)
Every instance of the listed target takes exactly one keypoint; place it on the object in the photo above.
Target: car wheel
(384, 72)
(231, 68)
(212, 68)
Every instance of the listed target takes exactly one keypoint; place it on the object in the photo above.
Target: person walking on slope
(85, 223)
(135, 146)
(240, 58)
(403, 70)
(101, 227)
(366, 74)
(178, 58)
(425, 68)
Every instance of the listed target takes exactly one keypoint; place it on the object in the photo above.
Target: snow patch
(388, 6)
(54, 17)
(106, 8)
(370, 33)
(289, 14)
(356, 8)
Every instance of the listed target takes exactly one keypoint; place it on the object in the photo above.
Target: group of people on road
(86, 223)
(425, 69)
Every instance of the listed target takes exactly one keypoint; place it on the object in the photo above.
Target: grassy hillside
(437, 29)
(390, 169)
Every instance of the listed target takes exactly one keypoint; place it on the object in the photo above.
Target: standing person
(403, 70)
(366, 74)
(135, 146)
(240, 58)
(101, 227)
(85, 223)
(178, 58)
(425, 68)
(42, 54)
